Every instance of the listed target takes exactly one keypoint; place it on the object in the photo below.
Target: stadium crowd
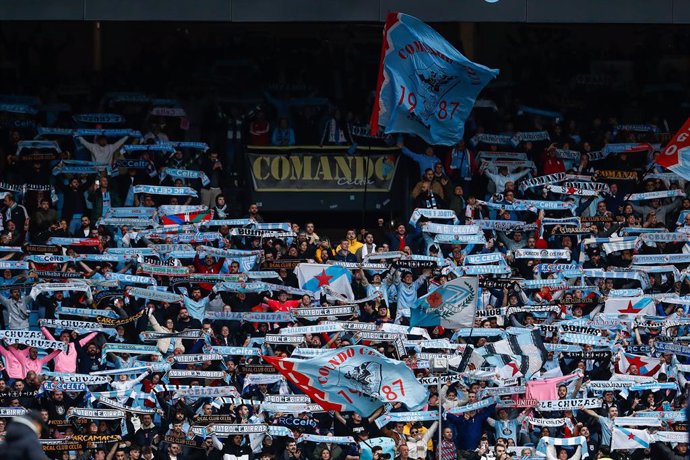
(137, 303)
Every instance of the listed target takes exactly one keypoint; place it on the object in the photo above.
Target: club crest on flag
(435, 84)
(451, 305)
(366, 377)
(425, 85)
(352, 378)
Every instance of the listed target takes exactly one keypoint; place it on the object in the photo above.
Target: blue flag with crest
(425, 86)
(354, 378)
(452, 305)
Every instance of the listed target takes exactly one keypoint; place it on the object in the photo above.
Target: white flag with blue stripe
(627, 438)
(313, 277)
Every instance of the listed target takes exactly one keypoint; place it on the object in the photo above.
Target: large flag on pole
(353, 378)
(676, 155)
(452, 305)
(425, 86)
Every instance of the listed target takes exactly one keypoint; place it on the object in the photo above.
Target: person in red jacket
(282, 304)
(210, 265)
(259, 130)
(552, 164)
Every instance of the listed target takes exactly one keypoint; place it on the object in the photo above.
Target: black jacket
(21, 442)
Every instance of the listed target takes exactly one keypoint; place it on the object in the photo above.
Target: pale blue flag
(425, 86)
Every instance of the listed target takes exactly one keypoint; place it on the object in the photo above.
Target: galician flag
(626, 438)
(425, 86)
(646, 365)
(312, 277)
(452, 305)
(353, 378)
(632, 306)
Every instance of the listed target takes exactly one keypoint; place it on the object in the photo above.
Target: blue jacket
(468, 432)
(21, 442)
(424, 161)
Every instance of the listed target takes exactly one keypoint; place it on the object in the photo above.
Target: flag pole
(439, 366)
(366, 187)
(440, 419)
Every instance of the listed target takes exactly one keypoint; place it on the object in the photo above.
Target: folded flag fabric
(646, 365)
(575, 441)
(547, 389)
(508, 373)
(676, 155)
(452, 305)
(312, 277)
(353, 378)
(425, 86)
(527, 350)
(627, 438)
(189, 217)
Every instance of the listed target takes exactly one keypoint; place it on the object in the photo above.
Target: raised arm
(521, 174)
(87, 338)
(4, 301)
(47, 334)
(430, 432)
(88, 145)
(113, 449)
(409, 153)
(216, 442)
(50, 357)
(377, 413)
(141, 377)
(154, 322)
(21, 357)
(119, 143)
(5, 352)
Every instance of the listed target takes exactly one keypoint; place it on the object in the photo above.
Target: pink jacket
(67, 362)
(14, 367)
(29, 364)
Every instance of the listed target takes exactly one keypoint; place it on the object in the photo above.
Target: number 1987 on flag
(444, 110)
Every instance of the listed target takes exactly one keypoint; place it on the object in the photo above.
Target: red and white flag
(629, 306)
(646, 365)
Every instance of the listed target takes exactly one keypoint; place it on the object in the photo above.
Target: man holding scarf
(102, 198)
(213, 169)
(101, 152)
(461, 165)
(16, 213)
(18, 308)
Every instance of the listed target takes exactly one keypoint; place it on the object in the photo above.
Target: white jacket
(164, 344)
(103, 154)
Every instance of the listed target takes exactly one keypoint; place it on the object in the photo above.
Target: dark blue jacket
(468, 432)
(21, 443)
